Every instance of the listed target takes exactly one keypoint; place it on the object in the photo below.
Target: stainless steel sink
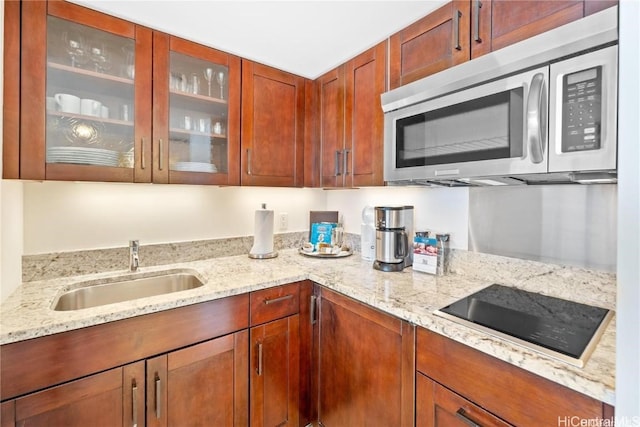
(125, 290)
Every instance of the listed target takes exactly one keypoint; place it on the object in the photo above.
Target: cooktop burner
(558, 328)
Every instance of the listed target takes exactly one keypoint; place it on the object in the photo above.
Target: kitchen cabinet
(505, 22)
(365, 365)
(351, 121)
(181, 350)
(466, 29)
(275, 356)
(273, 123)
(476, 380)
(439, 406)
(332, 102)
(103, 99)
(196, 115)
(205, 384)
(438, 41)
(11, 91)
(110, 398)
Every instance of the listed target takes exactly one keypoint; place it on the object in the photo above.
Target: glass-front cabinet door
(88, 117)
(196, 113)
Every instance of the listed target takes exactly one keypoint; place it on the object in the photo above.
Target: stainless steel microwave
(537, 111)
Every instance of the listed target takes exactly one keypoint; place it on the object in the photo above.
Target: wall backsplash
(563, 224)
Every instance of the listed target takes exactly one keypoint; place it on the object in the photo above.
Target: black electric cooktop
(562, 329)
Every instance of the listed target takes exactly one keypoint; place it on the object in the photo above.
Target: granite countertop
(409, 295)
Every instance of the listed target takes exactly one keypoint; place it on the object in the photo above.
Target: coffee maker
(394, 237)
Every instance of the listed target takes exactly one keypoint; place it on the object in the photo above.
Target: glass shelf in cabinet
(89, 73)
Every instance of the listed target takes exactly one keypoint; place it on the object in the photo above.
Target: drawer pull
(143, 163)
(160, 155)
(456, 29)
(462, 414)
(477, 4)
(312, 309)
(158, 397)
(274, 300)
(134, 403)
(259, 372)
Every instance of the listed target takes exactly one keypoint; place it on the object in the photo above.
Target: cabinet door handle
(274, 300)
(248, 161)
(259, 371)
(312, 309)
(158, 391)
(345, 162)
(143, 162)
(337, 163)
(456, 30)
(462, 414)
(477, 5)
(134, 404)
(160, 155)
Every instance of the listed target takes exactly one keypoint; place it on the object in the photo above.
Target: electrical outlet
(284, 221)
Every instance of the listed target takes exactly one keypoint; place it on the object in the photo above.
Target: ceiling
(303, 37)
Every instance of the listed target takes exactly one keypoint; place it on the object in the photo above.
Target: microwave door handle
(537, 118)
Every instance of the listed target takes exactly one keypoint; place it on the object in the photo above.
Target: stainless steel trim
(279, 299)
(580, 362)
(462, 415)
(456, 30)
(587, 33)
(477, 5)
(536, 118)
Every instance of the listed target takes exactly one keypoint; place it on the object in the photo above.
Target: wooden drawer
(274, 303)
(438, 406)
(511, 393)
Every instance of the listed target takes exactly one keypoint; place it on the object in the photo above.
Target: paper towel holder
(267, 255)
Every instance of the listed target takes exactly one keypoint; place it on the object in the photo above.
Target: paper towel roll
(263, 235)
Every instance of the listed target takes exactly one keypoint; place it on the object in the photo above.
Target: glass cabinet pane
(90, 94)
(198, 113)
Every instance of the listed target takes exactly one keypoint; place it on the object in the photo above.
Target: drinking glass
(75, 47)
(208, 76)
(221, 78)
(100, 58)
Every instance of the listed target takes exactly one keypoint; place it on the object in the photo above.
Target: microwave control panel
(582, 110)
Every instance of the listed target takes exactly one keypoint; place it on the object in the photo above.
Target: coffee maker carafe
(394, 234)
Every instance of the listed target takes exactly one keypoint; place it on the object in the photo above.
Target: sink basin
(125, 290)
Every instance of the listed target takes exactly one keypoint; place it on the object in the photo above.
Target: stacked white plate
(83, 155)
(195, 167)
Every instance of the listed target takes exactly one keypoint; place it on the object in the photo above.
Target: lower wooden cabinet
(365, 365)
(462, 377)
(437, 406)
(201, 385)
(274, 372)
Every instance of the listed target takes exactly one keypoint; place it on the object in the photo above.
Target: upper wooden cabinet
(438, 41)
(87, 85)
(465, 29)
(273, 107)
(196, 114)
(351, 121)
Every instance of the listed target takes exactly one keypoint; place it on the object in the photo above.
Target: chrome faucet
(134, 260)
